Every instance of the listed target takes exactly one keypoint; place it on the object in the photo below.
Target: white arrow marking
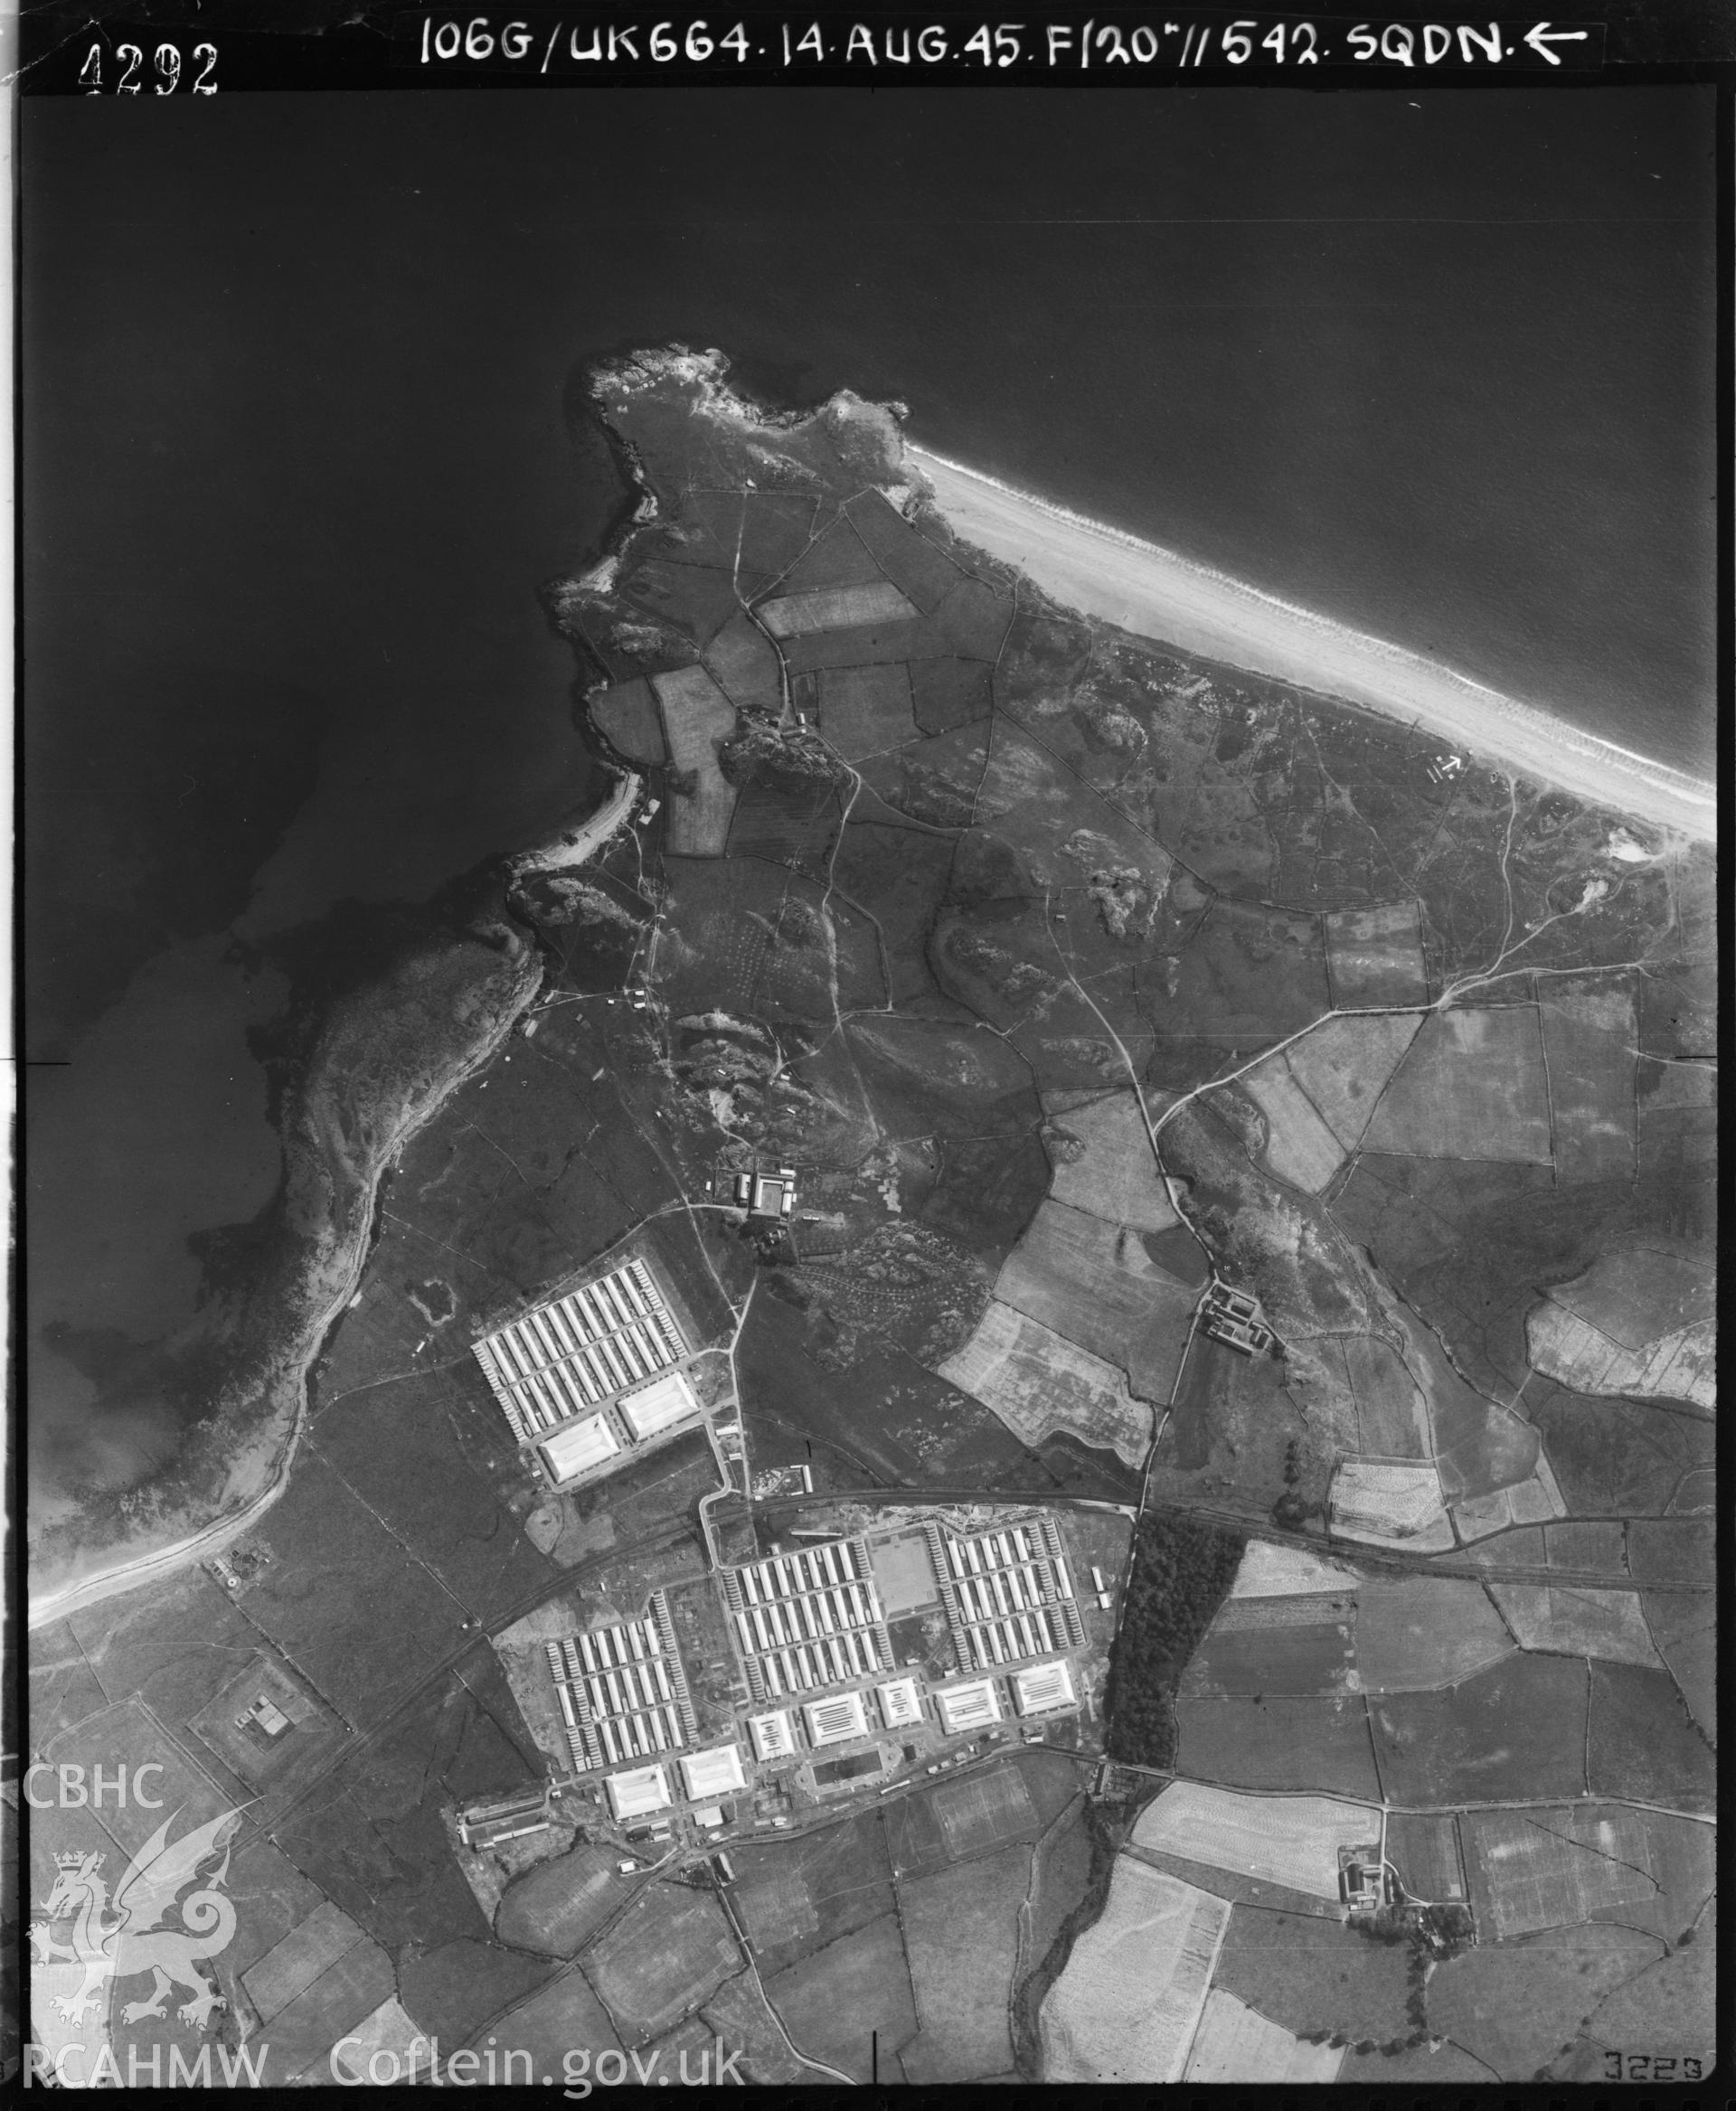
(1541, 38)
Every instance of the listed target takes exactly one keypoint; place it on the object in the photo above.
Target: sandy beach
(1160, 594)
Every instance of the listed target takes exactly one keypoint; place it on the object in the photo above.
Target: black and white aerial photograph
(867, 1015)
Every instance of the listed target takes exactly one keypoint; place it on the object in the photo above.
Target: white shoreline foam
(1142, 586)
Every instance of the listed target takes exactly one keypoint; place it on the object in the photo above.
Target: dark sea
(295, 460)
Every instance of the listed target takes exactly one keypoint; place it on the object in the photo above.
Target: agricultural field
(1315, 1976)
(835, 2001)
(1425, 1851)
(1344, 1065)
(1517, 2006)
(1299, 1146)
(1289, 1840)
(1536, 1869)
(1425, 1632)
(555, 1908)
(1516, 1729)
(561, 2016)
(1472, 1084)
(795, 1897)
(697, 719)
(1103, 1163)
(961, 1936)
(1390, 1502)
(1610, 1623)
(669, 1952)
(1038, 1382)
(1235, 2043)
(1128, 2002)
(1644, 1743)
(1096, 1285)
(1281, 1646)
(1375, 956)
(1278, 1741)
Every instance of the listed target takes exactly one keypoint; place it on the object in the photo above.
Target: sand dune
(1159, 594)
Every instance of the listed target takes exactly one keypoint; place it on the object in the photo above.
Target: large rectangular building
(637, 1794)
(835, 1721)
(716, 1772)
(807, 1619)
(579, 1448)
(567, 1357)
(658, 1405)
(970, 1707)
(1045, 1688)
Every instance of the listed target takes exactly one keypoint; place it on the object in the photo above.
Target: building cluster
(805, 1619)
(1006, 1594)
(591, 1375)
(1233, 1318)
(823, 1701)
(622, 1689)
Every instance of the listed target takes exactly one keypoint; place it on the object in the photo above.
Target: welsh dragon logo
(127, 1936)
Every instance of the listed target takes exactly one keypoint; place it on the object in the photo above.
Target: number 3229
(1649, 2067)
(165, 65)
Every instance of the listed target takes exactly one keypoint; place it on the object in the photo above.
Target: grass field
(987, 1808)
(1289, 1840)
(746, 666)
(836, 557)
(302, 2032)
(451, 1992)
(1644, 1744)
(1425, 1631)
(1282, 1657)
(1235, 2044)
(837, 1999)
(1126, 2007)
(1517, 1729)
(1609, 1623)
(291, 1967)
(1684, 1551)
(1375, 956)
(737, 2013)
(1390, 1502)
(1038, 1382)
(1344, 1066)
(864, 711)
(798, 1896)
(1472, 1086)
(1103, 1164)
(697, 716)
(669, 1950)
(950, 692)
(555, 1907)
(1391, 1418)
(1269, 1570)
(1589, 1040)
(1299, 1146)
(1515, 2006)
(562, 2015)
(1552, 1867)
(351, 1609)
(130, 1735)
(627, 717)
(1425, 1851)
(1597, 1545)
(925, 574)
(1097, 1286)
(1312, 1972)
(1668, 2009)
(1685, 1633)
(961, 1934)
(848, 607)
